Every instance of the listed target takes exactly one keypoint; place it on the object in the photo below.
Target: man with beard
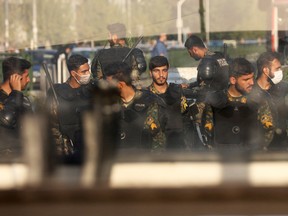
(232, 119)
(13, 103)
(117, 52)
(270, 87)
(174, 98)
(212, 75)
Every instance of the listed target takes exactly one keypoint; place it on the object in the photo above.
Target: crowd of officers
(231, 106)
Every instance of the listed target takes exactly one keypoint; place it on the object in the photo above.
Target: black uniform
(12, 106)
(117, 53)
(67, 124)
(235, 124)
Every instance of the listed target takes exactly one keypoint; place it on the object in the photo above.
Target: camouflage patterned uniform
(176, 106)
(276, 97)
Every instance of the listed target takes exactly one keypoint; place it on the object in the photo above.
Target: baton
(133, 47)
(50, 82)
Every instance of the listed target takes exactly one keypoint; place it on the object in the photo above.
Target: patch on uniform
(266, 122)
(208, 126)
(243, 100)
(151, 122)
(184, 104)
(236, 129)
(123, 135)
(139, 106)
(222, 62)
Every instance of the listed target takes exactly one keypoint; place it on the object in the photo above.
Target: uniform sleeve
(267, 122)
(184, 103)
(208, 119)
(152, 124)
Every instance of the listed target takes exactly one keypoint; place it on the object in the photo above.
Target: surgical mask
(278, 76)
(84, 79)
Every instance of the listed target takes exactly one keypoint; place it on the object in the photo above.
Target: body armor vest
(235, 124)
(72, 103)
(173, 120)
(133, 135)
(213, 70)
(172, 98)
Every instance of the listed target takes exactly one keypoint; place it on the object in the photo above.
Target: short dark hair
(119, 71)
(13, 65)
(118, 29)
(194, 40)
(239, 67)
(265, 60)
(75, 61)
(158, 61)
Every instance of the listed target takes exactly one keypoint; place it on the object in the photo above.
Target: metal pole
(179, 23)
(274, 30)
(74, 20)
(129, 14)
(34, 24)
(6, 11)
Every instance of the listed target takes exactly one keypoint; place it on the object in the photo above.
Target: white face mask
(84, 79)
(278, 76)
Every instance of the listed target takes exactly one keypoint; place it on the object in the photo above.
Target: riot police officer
(117, 52)
(270, 87)
(13, 103)
(213, 67)
(67, 107)
(233, 119)
(213, 75)
(173, 97)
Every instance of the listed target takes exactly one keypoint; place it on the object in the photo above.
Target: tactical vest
(236, 124)
(133, 135)
(72, 103)
(172, 98)
(213, 70)
(174, 124)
